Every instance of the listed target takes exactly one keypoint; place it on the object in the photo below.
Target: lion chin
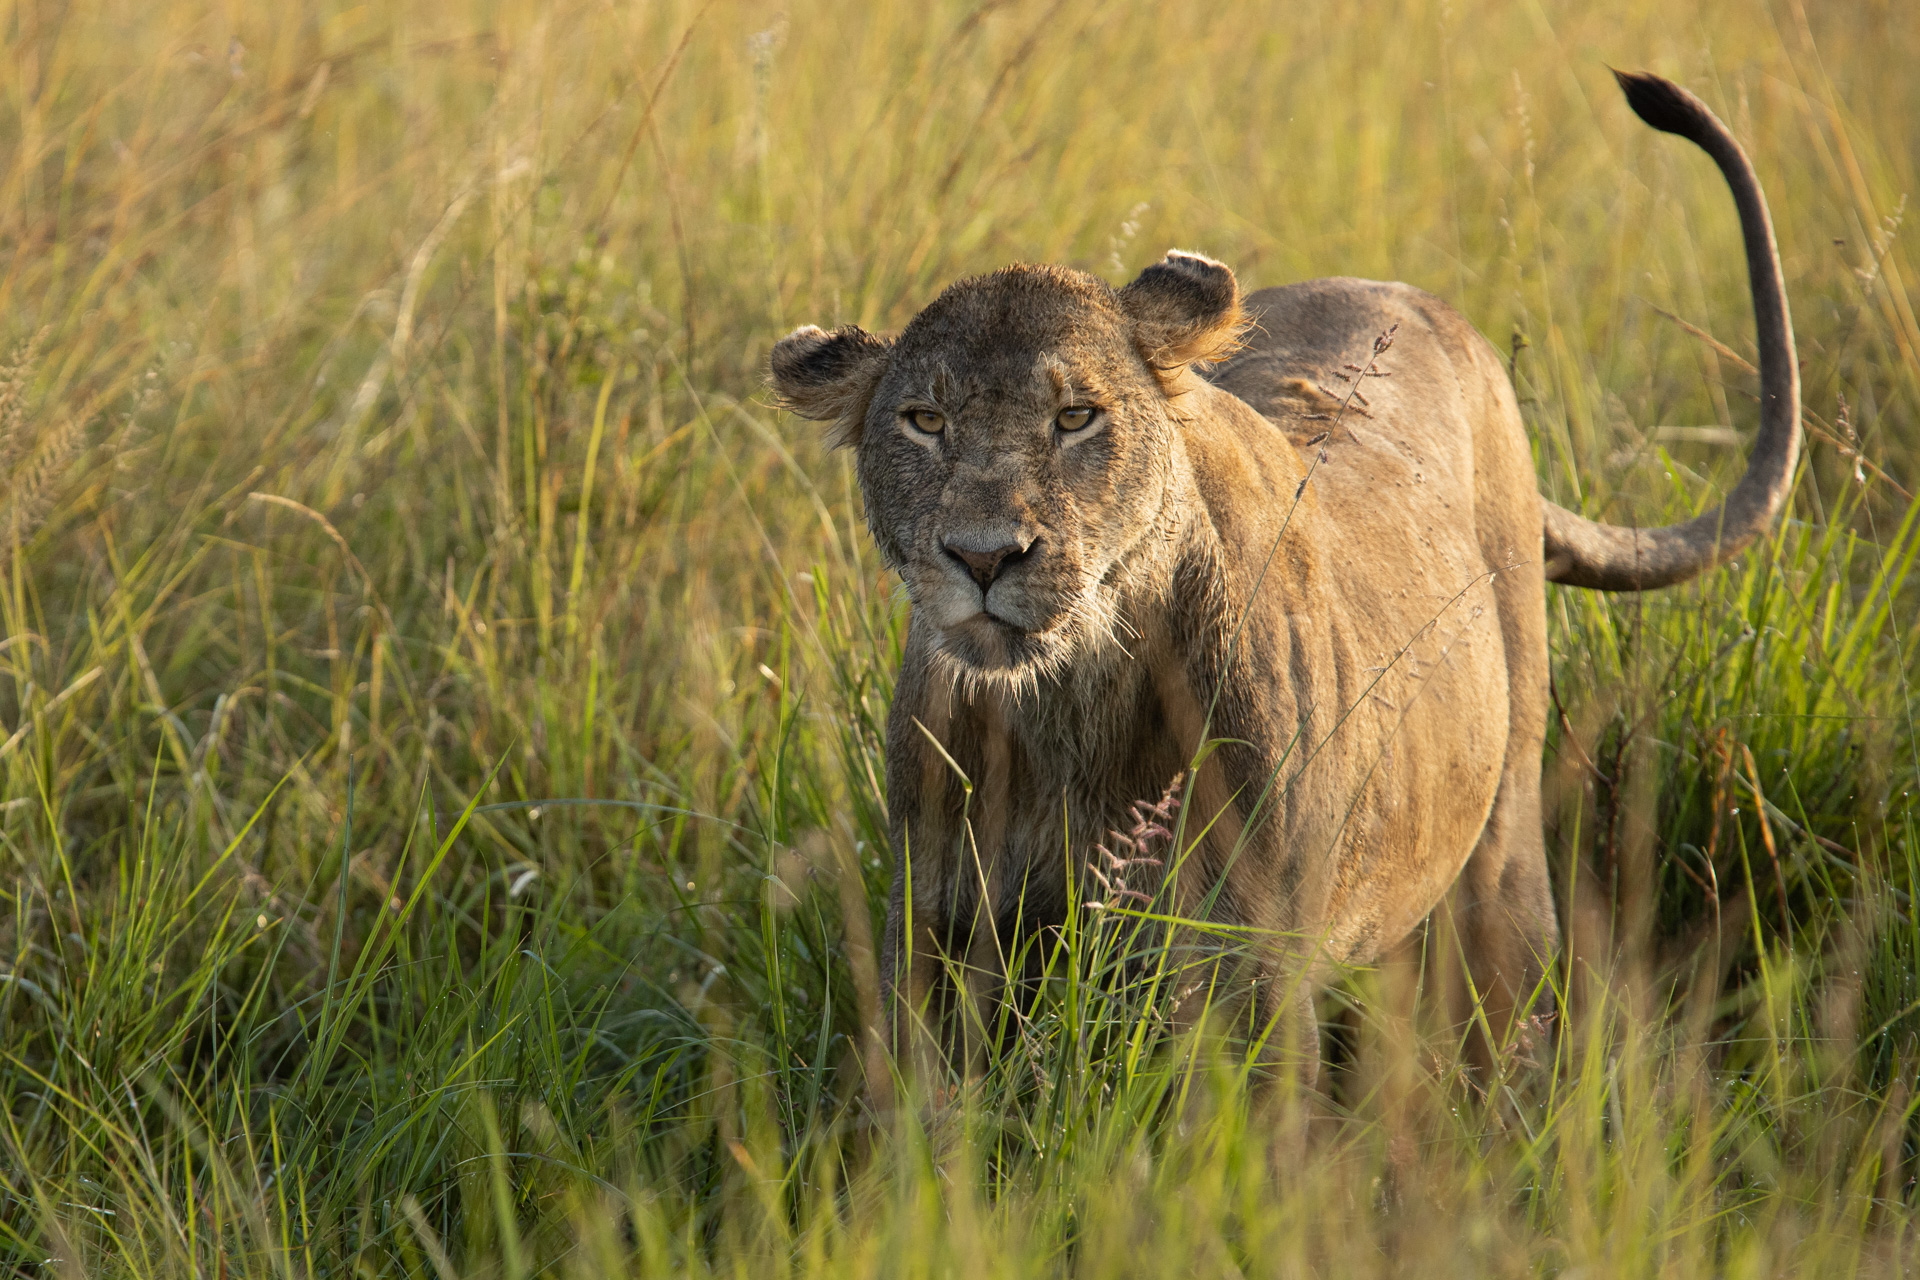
(984, 653)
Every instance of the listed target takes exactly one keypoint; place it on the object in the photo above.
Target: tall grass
(440, 720)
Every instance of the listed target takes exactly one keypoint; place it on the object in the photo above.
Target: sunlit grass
(383, 459)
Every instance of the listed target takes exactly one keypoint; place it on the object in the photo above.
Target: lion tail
(1608, 557)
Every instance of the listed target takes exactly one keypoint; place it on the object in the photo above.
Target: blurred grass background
(383, 457)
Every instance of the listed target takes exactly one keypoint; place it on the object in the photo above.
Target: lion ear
(829, 376)
(1185, 310)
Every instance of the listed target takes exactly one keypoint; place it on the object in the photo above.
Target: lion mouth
(988, 646)
(1015, 637)
(1004, 624)
(989, 629)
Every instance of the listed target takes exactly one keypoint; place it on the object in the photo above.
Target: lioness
(1136, 522)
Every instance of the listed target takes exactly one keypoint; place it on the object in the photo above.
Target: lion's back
(1422, 437)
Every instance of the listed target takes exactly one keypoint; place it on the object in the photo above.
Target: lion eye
(926, 420)
(1074, 419)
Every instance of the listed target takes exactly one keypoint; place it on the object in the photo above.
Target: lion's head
(1014, 445)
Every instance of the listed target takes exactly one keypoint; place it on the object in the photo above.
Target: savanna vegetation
(439, 695)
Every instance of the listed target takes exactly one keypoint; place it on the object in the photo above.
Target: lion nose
(985, 566)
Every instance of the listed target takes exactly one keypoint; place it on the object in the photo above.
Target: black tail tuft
(1664, 104)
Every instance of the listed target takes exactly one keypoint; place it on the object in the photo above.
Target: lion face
(1015, 447)
(1014, 450)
